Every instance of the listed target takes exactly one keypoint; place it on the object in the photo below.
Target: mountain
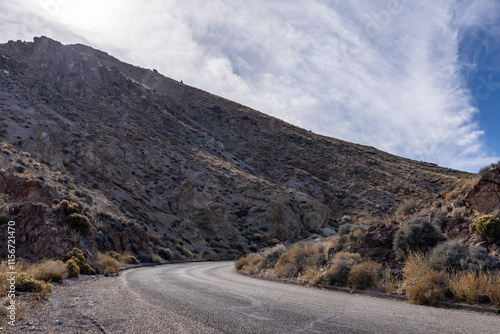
(195, 172)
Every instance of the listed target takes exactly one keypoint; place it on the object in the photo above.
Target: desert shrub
(109, 264)
(478, 259)
(72, 268)
(353, 232)
(44, 208)
(128, 258)
(348, 256)
(405, 209)
(364, 275)
(241, 263)
(50, 271)
(27, 283)
(440, 219)
(345, 229)
(459, 214)
(249, 263)
(294, 261)
(166, 254)
(488, 226)
(77, 255)
(184, 251)
(270, 256)
(69, 207)
(79, 223)
(449, 255)
(417, 234)
(429, 289)
(338, 272)
(114, 255)
(155, 258)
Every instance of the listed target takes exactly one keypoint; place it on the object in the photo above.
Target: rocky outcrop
(484, 198)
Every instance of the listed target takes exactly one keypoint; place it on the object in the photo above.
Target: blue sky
(418, 79)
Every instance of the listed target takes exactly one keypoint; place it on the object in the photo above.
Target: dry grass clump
(108, 263)
(364, 275)
(467, 286)
(50, 271)
(423, 284)
(429, 289)
(250, 263)
(129, 258)
(294, 262)
(406, 208)
(270, 256)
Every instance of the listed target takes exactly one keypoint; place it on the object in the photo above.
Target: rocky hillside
(195, 172)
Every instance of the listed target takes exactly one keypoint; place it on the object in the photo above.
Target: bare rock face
(484, 198)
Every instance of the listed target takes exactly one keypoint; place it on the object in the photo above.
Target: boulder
(484, 198)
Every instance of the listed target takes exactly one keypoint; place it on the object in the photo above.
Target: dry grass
(250, 263)
(423, 285)
(109, 263)
(429, 289)
(416, 267)
(364, 275)
(312, 274)
(466, 286)
(49, 271)
(293, 262)
(390, 283)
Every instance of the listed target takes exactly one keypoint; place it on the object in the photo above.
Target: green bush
(77, 255)
(27, 283)
(72, 268)
(488, 226)
(418, 234)
(79, 223)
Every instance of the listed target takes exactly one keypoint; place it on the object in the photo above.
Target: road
(210, 297)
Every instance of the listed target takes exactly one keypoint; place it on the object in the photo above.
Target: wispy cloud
(382, 72)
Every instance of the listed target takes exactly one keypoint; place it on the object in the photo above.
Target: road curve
(210, 297)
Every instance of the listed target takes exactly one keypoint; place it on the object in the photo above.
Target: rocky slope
(192, 169)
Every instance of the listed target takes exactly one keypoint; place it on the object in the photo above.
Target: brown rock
(484, 198)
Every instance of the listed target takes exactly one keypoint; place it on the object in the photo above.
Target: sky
(420, 79)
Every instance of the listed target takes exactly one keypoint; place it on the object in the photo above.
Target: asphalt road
(212, 298)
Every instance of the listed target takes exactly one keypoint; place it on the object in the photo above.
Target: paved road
(212, 298)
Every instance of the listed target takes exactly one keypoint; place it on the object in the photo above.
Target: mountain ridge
(189, 165)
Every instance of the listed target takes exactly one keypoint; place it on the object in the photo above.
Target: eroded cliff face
(190, 168)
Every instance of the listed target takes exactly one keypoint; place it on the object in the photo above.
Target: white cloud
(378, 72)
